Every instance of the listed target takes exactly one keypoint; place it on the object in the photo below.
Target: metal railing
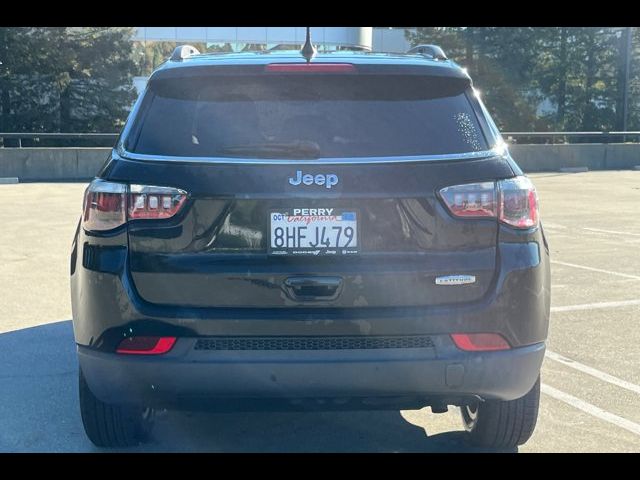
(107, 138)
(598, 137)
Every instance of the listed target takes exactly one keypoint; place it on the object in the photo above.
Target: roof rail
(434, 51)
(183, 51)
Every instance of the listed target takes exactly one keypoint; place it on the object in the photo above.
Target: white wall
(389, 40)
(347, 36)
(377, 39)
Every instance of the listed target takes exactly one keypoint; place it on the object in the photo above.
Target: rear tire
(113, 425)
(502, 424)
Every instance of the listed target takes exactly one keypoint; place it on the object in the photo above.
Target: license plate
(313, 231)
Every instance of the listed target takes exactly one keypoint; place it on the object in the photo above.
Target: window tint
(301, 116)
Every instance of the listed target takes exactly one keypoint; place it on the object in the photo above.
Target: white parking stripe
(593, 372)
(594, 306)
(591, 409)
(616, 232)
(546, 224)
(625, 275)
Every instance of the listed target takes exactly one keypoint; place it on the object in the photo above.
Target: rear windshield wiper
(298, 148)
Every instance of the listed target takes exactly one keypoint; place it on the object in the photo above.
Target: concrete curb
(594, 156)
(45, 164)
(53, 164)
(8, 180)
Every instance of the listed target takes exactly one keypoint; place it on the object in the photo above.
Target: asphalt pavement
(591, 375)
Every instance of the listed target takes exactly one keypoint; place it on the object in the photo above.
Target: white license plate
(313, 231)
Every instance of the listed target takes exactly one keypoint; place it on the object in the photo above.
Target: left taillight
(105, 205)
(154, 203)
(108, 205)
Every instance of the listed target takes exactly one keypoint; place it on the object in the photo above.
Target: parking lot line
(611, 231)
(591, 409)
(595, 306)
(552, 225)
(625, 275)
(593, 372)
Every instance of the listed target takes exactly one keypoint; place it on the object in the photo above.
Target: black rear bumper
(107, 307)
(377, 378)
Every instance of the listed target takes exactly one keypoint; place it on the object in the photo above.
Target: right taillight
(518, 202)
(513, 202)
(472, 200)
(108, 205)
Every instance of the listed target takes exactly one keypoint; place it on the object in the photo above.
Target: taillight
(518, 202)
(471, 200)
(104, 205)
(108, 205)
(310, 67)
(480, 342)
(146, 345)
(147, 202)
(513, 201)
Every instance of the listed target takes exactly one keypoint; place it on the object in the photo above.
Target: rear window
(302, 116)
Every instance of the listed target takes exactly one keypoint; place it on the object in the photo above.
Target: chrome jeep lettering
(328, 180)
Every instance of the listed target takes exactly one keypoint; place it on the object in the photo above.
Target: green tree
(573, 71)
(499, 61)
(504, 58)
(451, 39)
(634, 82)
(578, 71)
(65, 79)
(149, 55)
(29, 73)
(100, 89)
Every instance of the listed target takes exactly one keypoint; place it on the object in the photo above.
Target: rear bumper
(381, 378)
(106, 307)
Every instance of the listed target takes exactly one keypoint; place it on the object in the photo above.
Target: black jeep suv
(345, 231)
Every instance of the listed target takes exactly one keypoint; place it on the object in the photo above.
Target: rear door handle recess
(313, 288)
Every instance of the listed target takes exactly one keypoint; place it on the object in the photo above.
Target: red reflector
(146, 345)
(480, 342)
(310, 67)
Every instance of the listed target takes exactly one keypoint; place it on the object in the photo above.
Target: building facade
(238, 38)
(155, 44)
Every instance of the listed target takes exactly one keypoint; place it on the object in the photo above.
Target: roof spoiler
(433, 51)
(183, 51)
